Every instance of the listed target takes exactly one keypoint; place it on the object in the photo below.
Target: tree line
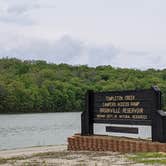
(38, 86)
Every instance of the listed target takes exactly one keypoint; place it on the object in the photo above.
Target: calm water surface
(26, 130)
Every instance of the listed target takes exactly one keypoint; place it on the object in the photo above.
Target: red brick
(103, 143)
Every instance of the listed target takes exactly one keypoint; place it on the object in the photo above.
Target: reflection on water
(26, 130)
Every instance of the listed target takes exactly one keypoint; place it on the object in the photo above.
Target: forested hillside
(35, 86)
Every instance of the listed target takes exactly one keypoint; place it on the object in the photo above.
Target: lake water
(26, 130)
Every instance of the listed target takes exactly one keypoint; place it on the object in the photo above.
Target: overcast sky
(121, 33)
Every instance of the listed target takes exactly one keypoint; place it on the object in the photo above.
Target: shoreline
(59, 155)
(24, 113)
(8, 153)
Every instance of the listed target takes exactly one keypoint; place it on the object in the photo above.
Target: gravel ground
(59, 156)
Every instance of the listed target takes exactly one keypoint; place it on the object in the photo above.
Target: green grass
(149, 158)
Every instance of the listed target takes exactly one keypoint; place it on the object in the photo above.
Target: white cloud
(16, 13)
(33, 29)
(73, 51)
(21, 9)
(19, 12)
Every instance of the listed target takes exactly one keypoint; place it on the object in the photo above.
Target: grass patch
(3, 161)
(149, 158)
(51, 154)
(6, 160)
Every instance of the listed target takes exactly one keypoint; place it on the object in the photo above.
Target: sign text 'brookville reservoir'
(121, 107)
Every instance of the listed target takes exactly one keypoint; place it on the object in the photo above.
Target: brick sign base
(115, 144)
